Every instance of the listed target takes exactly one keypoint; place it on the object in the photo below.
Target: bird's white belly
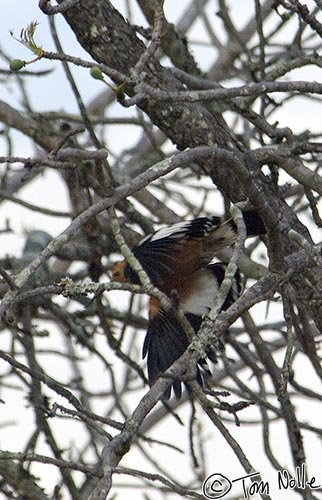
(202, 299)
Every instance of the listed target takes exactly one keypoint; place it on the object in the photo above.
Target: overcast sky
(53, 93)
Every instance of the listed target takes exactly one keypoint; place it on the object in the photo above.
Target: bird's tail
(164, 343)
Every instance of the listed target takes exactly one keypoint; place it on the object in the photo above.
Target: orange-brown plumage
(177, 259)
(118, 272)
